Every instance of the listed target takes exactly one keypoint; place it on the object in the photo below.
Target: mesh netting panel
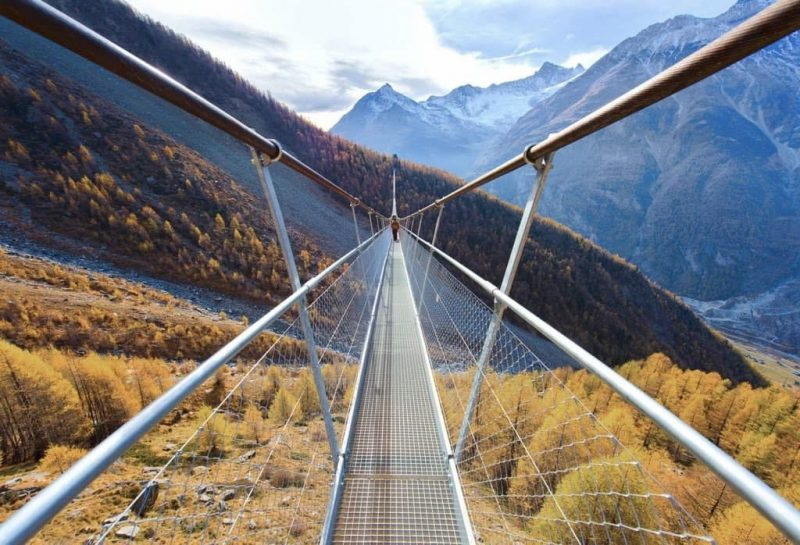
(245, 459)
(537, 465)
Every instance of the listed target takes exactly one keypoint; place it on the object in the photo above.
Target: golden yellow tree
(282, 408)
(59, 458)
(38, 407)
(306, 393)
(252, 425)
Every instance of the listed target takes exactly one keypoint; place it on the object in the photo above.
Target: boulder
(146, 499)
(115, 519)
(127, 531)
(228, 494)
(247, 456)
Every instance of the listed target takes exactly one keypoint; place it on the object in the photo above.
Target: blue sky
(320, 56)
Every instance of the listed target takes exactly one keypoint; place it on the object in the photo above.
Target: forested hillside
(141, 191)
(85, 170)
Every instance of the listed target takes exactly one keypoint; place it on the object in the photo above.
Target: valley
(388, 399)
(176, 200)
(699, 191)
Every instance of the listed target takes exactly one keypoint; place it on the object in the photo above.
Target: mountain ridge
(700, 190)
(666, 150)
(579, 288)
(447, 131)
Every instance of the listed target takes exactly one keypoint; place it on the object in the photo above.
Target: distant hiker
(395, 228)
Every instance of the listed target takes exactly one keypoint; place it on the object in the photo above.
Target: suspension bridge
(440, 424)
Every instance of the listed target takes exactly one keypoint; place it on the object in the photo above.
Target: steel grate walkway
(398, 485)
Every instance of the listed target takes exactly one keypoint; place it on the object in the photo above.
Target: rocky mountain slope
(130, 200)
(447, 131)
(701, 190)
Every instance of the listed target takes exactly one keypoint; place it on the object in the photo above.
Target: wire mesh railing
(246, 457)
(538, 466)
(241, 456)
(257, 466)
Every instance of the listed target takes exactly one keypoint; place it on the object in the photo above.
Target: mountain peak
(386, 93)
(382, 99)
(743, 9)
(550, 73)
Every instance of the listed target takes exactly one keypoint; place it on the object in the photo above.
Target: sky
(320, 56)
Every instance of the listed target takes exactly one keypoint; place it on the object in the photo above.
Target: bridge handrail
(25, 522)
(760, 30)
(757, 493)
(69, 33)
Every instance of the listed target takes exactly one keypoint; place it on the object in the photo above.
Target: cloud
(552, 29)
(521, 54)
(319, 56)
(239, 35)
(585, 58)
(349, 75)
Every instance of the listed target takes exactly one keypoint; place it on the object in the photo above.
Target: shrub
(58, 458)
(213, 439)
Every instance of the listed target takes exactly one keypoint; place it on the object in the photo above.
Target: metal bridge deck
(398, 487)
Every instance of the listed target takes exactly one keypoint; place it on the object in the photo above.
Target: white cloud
(320, 56)
(326, 54)
(586, 58)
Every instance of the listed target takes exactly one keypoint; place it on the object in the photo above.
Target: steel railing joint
(263, 160)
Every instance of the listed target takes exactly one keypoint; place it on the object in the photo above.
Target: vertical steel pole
(542, 167)
(371, 229)
(265, 179)
(418, 247)
(411, 222)
(355, 222)
(394, 191)
(430, 256)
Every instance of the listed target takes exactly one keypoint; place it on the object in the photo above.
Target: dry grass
(44, 304)
(288, 501)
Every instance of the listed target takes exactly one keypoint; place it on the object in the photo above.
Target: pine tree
(283, 408)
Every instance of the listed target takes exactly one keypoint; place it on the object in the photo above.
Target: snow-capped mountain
(702, 190)
(445, 131)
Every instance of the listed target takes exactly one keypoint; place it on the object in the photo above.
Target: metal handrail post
(265, 179)
(417, 247)
(757, 493)
(394, 191)
(26, 521)
(371, 229)
(430, 256)
(542, 167)
(355, 222)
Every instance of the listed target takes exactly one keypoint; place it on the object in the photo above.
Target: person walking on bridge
(395, 224)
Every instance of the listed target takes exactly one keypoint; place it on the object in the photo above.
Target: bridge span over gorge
(451, 428)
